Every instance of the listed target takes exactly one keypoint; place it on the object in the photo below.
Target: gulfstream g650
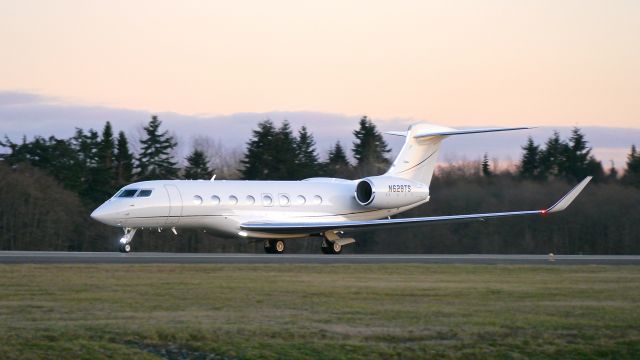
(279, 211)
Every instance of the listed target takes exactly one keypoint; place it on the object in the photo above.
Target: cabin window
(267, 200)
(300, 200)
(144, 193)
(233, 200)
(250, 200)
(317, 200)
(284, 200)
(128, 193)
(215, 200)
(197, 200)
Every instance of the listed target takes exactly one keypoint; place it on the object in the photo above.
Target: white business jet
(275, 211)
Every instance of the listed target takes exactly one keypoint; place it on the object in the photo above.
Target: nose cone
(98, 214)
(103, 215)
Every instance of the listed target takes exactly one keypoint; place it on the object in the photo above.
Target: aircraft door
(175, 205)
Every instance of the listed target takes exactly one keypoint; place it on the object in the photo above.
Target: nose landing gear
(125, 240)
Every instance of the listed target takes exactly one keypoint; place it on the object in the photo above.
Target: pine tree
(90, 166)
(553, 157)
(530, 162)
(632, 171)
(258, 159)
(307, 158)
(284, 154)
(486, 166)
(578, 160)
(155, 160)
(369, 149)
(197, 166)
(612, 175)
(337, 164)
(123, 161)
(103, 173)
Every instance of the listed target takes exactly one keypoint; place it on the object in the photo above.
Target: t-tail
(417, 158)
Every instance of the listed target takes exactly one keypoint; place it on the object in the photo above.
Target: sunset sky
(462, 63)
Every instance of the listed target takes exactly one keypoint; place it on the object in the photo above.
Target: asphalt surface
(51, 257)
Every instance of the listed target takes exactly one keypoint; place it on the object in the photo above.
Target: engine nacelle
(383, 192)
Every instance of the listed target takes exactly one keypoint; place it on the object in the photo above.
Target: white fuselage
(220, 206)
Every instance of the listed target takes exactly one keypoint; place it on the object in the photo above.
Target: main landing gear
(330, 248)
(125, 241)
(333, 243)
(274, 246)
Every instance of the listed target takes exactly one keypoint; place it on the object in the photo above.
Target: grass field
(313, 311)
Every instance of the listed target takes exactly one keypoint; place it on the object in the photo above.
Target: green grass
(313, 311)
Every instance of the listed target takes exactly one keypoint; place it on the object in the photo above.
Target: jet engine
(383, 192)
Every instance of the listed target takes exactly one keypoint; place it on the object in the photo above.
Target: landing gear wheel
(274, 246)
(278, 246)
(332, 248)
(125, 248)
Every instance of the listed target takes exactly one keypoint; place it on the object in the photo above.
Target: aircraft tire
(331, 248)
(325, 248)
(277, 246)
(125, 248)
(336, 248)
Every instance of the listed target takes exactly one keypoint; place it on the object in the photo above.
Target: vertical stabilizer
(417, 158)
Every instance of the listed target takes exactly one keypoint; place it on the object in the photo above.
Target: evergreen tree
(155, 160)
(106, 148)
(61, 158)
(369, 149)
(612, 175)
(594, 168)
(284, 154)
(337, 164)
(102, 173)
(632, 171)
(552, 159)
(258, 159)
(197, 166)
(530, 162)
(123, 161)
(307, 158)
(578, 160)
(486, 166)
(93, 184)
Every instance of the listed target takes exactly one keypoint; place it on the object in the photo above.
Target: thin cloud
(31, 114)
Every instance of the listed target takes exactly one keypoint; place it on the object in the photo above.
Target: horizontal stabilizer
(397, 133)
(311, 227)
(450, 132)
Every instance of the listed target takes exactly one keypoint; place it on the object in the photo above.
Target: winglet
(568, 198)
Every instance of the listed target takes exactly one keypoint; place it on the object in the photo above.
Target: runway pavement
(50, 257)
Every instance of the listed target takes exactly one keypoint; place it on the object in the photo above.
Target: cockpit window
(144, 193)
(128, 193)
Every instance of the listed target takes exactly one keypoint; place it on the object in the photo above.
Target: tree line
(49, 186)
